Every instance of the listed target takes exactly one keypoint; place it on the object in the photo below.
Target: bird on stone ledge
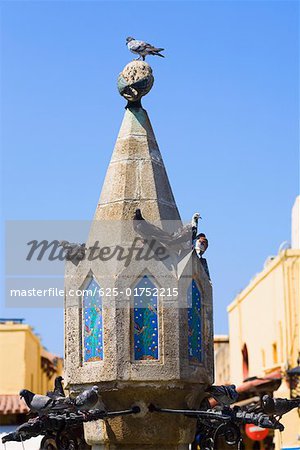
(58, 389)
(44, 405)
(178, 240)
(225, 395)
(142, 48)
(87, 399)
(278, 406)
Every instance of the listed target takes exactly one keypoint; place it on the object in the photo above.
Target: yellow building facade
(264, 328)
(221, 355)
(25, 364)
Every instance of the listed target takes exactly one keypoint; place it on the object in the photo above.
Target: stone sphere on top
(135, 81)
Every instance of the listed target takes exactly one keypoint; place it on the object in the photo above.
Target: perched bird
(195, 220)
(225, 395)
(268, 405)
(149, 231)
(278, 406)
(188, 232)
(177, 240)
(142, 48)
(201, 244)
(42, 404)
(58, 389)
(87, 399)
(73, 251)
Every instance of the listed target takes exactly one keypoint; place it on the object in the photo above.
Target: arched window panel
(194, 323)
(145, 320)
(93, 323)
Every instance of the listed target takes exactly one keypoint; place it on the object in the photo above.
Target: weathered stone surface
(135, 80)
(136, 178)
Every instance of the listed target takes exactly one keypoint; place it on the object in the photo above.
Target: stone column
(159, 352)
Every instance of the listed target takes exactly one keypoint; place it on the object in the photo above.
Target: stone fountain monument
(145, 334)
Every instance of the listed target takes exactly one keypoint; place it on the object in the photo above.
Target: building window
(245, 362)
(145, 320)
(93, 323)
(194, 323)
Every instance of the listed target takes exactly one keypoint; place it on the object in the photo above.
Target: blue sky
(224, 108)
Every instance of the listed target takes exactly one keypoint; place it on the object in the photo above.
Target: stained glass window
(145, 320)
(93, 323)
(194, 323)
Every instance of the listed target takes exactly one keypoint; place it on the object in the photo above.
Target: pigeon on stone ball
(225, 395)
(58, 389)
(87, 399)
(143, 48)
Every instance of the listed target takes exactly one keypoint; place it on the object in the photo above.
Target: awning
(12, 404)
(270, 382)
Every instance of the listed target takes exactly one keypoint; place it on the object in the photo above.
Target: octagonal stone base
(148, 430)
(151, 433)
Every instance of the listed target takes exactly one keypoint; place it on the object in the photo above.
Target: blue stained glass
(145, 320)
(194, 323)
(93, 323)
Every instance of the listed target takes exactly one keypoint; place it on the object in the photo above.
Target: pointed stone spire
(136, 176)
